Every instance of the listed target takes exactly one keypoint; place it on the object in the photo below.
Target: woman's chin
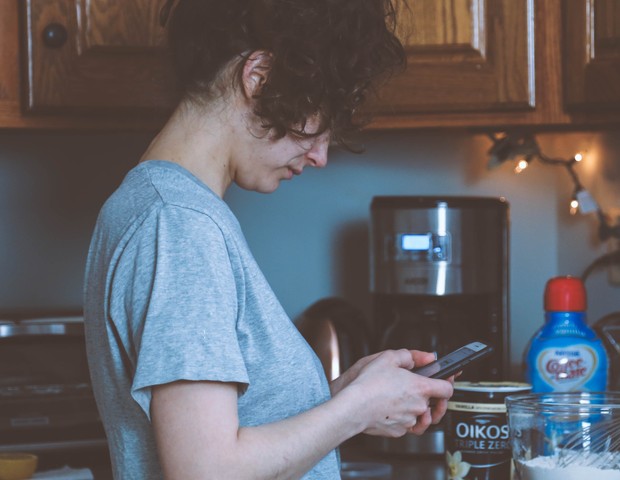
(266, 187)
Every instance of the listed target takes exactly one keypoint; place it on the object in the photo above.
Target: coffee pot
(439, 280)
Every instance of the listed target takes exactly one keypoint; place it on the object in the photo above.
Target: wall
(310, 236)
(294, 231)
(578, 242)
(51, 188)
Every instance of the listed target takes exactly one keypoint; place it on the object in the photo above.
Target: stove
(46, 400)
(25, 392)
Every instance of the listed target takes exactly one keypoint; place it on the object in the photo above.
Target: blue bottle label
(567, 368)
(566, 356)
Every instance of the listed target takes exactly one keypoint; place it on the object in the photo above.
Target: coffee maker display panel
(428, 246)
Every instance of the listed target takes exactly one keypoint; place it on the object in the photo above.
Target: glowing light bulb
(521, 165)
(578, 157)
(574, 206)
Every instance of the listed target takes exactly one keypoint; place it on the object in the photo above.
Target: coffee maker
(439, 280)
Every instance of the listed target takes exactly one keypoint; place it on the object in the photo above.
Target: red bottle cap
(565, 294)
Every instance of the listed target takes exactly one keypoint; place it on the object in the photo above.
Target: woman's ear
(255, 72)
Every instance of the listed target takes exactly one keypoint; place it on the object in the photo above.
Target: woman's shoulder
(178, 189)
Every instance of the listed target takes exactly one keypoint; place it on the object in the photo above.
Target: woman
(197, 370)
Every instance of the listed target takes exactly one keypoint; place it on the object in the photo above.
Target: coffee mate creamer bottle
(565, 355)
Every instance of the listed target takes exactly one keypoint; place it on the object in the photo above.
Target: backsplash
(310, 236)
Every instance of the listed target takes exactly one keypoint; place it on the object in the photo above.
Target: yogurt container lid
(496, 387)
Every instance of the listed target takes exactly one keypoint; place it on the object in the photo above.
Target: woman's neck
(200, 142)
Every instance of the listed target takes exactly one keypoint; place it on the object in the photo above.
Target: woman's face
(269, 160)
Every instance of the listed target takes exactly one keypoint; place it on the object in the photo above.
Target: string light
(521, 165)
(523, 148)
(574, 206)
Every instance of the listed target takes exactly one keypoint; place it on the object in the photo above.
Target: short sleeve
(176, 288)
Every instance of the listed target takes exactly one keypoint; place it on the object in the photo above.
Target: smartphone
(454, 362)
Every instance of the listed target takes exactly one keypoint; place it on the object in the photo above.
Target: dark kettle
(337, 332)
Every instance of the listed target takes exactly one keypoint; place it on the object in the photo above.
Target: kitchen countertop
(95, 459)
(404, 467)
(430, 468)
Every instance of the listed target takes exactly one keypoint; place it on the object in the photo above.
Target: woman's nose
(318, 153)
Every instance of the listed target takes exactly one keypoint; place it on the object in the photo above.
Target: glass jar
(565, 436)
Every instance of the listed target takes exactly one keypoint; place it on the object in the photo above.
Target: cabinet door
(463, 56)
(9, 83)
(592, 54)
(98, 55)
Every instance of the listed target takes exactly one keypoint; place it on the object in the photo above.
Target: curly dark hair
(327, 55)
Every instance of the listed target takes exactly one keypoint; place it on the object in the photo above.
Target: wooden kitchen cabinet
(94, 55)
(467, 56)
(592, 55)
(83, 64)
(499, 63)
(471, 63)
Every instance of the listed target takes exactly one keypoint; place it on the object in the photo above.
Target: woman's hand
(392, 399)
(351, 374)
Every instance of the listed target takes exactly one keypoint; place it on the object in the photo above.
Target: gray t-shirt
(173, 292)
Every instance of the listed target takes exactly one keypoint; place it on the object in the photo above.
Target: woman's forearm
(289, 448)
(204, 443)
(198, 434)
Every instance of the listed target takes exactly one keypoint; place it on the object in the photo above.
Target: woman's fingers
(422, 358)
(439, 410)
(422, 423)
(402, 401)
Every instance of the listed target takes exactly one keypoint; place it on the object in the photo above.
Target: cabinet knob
(55, 35)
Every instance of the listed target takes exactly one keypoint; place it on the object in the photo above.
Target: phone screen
(455, 361)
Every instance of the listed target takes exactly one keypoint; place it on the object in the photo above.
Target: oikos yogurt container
(477, 436)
